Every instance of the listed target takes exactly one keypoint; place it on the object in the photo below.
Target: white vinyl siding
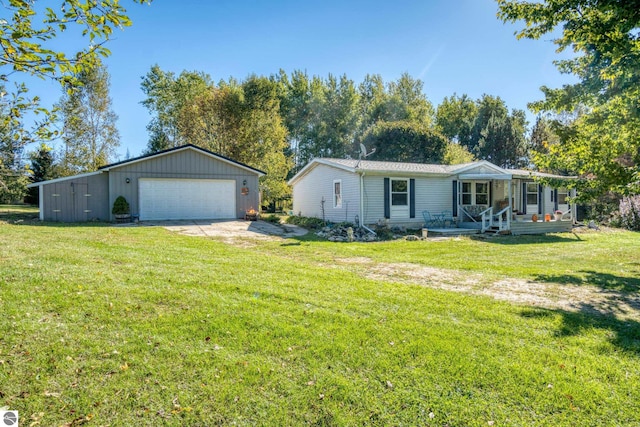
(318, 185)
(434, 194)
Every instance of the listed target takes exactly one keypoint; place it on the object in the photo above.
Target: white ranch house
(478, 195)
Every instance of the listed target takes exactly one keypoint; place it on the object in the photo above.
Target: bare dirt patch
(235, 232)
(520, 291)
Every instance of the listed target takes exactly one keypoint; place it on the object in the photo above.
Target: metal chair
(429, 220)
(447, 216)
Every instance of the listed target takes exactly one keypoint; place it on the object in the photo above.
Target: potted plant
(121, 209)
(558, 215)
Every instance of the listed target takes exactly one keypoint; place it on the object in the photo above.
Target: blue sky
(453, 46)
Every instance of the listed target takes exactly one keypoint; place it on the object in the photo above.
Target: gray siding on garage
(76, 199)
(187, 163)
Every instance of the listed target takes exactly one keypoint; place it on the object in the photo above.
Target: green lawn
(138, 326)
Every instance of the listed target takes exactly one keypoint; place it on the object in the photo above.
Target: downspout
(361, 217)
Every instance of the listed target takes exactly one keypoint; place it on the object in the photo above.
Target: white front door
(399, 198)
(170, 198)
(532, 198)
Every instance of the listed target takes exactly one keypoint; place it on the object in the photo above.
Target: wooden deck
(451, 232)
(540, 227)
(517, 228)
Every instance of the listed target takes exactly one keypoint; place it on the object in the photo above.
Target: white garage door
(187, 198)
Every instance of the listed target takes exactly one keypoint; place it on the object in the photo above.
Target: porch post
(460, 211)
(510, 212)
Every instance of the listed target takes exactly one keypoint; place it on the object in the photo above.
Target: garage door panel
(186, 199)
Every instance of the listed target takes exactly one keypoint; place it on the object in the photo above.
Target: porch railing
(568, 212)
(487, 219)
(501, 222)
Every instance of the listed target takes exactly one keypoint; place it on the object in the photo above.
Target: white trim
(222, 159)
(476, 176)
(65, 178)
(486, 163)
(312, 164)
(402, 212)
(474, 193)
(337, 203)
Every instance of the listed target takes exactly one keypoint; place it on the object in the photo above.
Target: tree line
(279, 123)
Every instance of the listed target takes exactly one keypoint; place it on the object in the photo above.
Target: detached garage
(186, 182)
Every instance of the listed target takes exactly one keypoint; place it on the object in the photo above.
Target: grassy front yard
(139, 326)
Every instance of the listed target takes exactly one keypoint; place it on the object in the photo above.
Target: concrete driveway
(230, 229)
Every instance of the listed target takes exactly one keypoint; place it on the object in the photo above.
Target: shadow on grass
(529, 239)
(605, 281)
(624, 334)
(37, 223)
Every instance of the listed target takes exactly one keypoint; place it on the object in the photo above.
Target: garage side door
(162, 198)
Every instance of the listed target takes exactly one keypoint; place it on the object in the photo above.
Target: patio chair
(429, 220)
(447, 217)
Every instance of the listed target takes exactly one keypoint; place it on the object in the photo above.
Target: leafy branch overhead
(27, 36)
(601, 143)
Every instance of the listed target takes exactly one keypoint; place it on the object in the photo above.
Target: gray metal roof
(523, 173)
(376, 166)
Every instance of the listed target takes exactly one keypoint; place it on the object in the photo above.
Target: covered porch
(511, 202)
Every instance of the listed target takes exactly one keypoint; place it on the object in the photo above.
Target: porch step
(432, 232)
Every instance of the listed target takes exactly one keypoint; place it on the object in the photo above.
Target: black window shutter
(455, 198)
(387, 202)
(412, 198)
(524, 197)
(555, 199)
(539, 199)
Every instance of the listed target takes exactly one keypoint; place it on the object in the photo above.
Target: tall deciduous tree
(405, 141)
(455, 119)
(408, 102)
(28, 45)
(242, 121)
(602, 146)
(498, 136)
(89, 131)
(166, 95)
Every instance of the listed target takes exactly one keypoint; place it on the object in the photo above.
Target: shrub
(383, 232)
(274, 219)
(306, 222)
(120, 206)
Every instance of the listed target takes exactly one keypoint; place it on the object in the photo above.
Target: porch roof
(493, 176)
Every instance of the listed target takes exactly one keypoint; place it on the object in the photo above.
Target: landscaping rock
(412, 238)
(346, 233)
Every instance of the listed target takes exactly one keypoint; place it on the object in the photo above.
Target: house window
(475, 193)
(532, 193)
(399, 192)
(466, 193)
(563, 193)
(482, 193)
(337, 193)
